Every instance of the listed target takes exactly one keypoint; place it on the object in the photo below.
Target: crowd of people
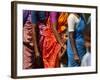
(56, 39)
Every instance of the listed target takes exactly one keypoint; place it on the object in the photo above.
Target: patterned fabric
(25, 15)
(29, 18)
(28, 51)
(48, 46)
(51, 47)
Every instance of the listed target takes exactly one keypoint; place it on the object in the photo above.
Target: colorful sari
(28, 51)
(51, 48)
(29, 18)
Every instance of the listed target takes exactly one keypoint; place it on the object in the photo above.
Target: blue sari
(79, 40)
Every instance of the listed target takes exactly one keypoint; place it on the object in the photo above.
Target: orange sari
(51, 48)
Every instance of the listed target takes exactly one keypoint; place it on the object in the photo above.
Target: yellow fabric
(62, 21)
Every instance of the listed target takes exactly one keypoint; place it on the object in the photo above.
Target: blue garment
(38, 16)
(79, 39)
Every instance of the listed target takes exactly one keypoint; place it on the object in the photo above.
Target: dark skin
(36, 49)
(35, 41)
(64, 38)
(56, 34)
(58, 37)
(62, 44)
(63, 50)
(73, 45)
(87, 38)
(37, 54)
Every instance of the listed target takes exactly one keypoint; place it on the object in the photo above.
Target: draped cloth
(28, 51)
(79, 40)
(51, 49)
(29, 18)
(50, 46)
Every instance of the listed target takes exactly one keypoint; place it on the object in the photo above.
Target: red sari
(50, 48)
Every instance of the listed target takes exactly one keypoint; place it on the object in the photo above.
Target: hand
(37, 55)
(38, 59)
(59, 56)
(76, 58)
(63, 49)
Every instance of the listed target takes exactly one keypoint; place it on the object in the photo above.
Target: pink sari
(27, 46)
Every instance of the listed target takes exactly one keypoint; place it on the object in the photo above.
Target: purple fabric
(53, 17)
(25, 15)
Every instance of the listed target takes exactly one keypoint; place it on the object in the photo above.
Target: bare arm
(72, 41)
(73, 45)
(53, 19)
(34, 40)
(63, 51)
(38, 59)
(71, 27)
(56, 34)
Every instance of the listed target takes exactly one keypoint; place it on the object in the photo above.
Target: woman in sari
(32, 56)
(76, 48)
(52, 43)
(27, 41)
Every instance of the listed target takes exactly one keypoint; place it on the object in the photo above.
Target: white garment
(72, 21)
(86, 61)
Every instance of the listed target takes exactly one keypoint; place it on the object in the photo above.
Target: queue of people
(55, 39)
